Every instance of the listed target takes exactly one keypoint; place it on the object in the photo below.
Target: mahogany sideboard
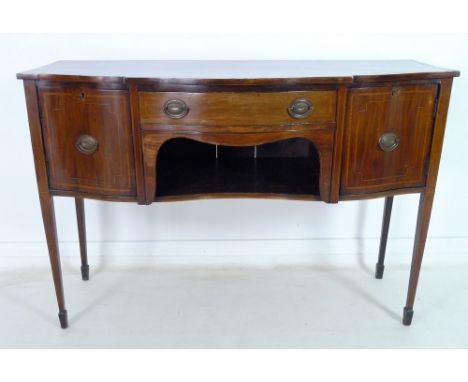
(154, 131)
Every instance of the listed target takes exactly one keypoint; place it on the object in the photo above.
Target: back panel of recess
(286, 167)
(407, 113)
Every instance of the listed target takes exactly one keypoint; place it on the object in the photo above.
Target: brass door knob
(300, 108)
(389, 142)
(86, 144)
(176, 108)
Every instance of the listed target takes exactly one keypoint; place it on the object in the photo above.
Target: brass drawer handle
(300, 108)
(86, 144)
(389, 142)
(176, 108)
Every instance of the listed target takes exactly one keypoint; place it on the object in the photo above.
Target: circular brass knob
(86, 144)
(176, 108)
(389, 142)
(300, 108)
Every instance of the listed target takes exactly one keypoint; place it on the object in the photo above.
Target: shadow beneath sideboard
(369, 270)
(107, 212)
(359, 235)
(365, 295)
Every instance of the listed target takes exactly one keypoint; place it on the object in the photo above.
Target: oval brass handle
(389, 142)
(300, 108)
(86, 144)
(176, 108)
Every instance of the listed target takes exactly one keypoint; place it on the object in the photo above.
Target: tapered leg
(422, 226)
(80, 215)
(379, 267)
(48, 216)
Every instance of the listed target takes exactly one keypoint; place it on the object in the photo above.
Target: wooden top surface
(237, 72)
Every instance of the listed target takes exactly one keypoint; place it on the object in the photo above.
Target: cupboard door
(387, 137)
(88, 141)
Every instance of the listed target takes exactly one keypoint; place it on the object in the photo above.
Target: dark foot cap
(85, 272)
(63, 317)
(379, 268)
(407, 316)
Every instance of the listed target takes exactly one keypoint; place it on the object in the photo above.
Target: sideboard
(155, 131)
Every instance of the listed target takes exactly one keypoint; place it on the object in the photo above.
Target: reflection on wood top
(237, 72)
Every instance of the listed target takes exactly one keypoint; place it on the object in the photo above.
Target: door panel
(103, 115)
(403, 115)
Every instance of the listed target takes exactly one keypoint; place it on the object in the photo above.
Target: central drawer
(238, 108)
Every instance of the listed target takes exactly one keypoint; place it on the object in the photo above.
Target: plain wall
(260, 223)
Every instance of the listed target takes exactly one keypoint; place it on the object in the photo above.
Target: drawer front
(88, 142)
(387, 137)
(238, 109)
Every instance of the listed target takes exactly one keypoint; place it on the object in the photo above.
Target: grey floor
(150, 306)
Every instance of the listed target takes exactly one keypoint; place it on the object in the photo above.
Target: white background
(290, 29)
(217, 228)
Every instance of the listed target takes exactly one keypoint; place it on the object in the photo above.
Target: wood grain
(405, 110)
(427, 197)
(103, 114)
(321, 139)
(338, 145)
(225, 109)
(237, 72)
(45, 198)
(137, 146)
(238, 139)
